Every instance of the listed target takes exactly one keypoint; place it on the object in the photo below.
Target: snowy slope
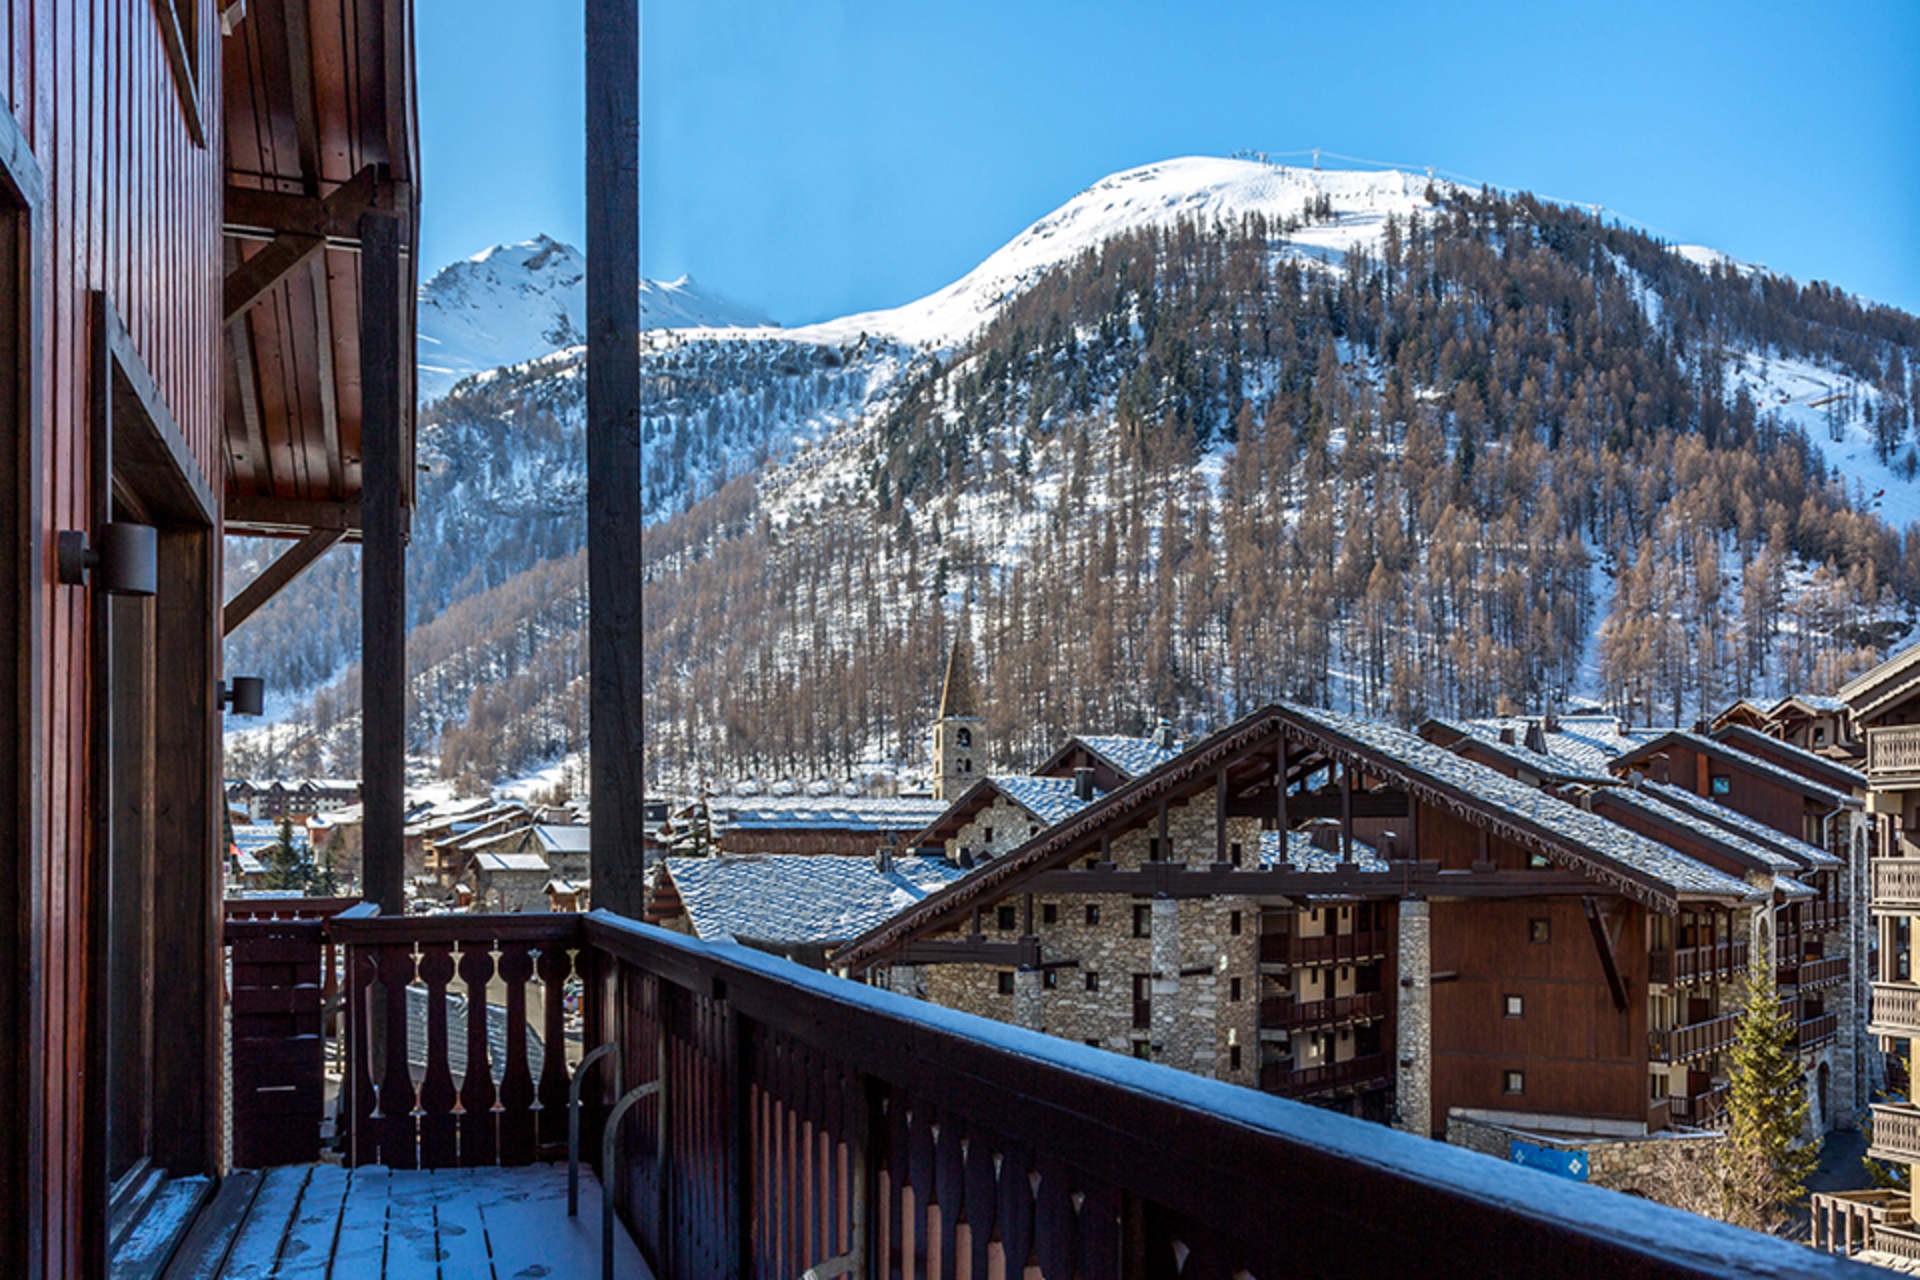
(513, 302)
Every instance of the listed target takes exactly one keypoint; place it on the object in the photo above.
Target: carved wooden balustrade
(1285, 1011)
(803, 1122)
(1893, 753)
(1326, 948)
(1896, 882)
(1709, 1035)
(1722, 961)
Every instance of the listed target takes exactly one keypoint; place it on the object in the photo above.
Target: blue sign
(1557, 1161)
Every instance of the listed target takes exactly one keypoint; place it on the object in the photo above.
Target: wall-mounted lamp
(127, 559)
(246, 696)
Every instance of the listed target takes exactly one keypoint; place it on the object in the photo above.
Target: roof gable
(1737, 759)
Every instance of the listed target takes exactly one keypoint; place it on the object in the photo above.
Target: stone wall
(1643, 1165)
(1414, 1019)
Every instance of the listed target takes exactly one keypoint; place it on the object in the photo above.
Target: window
(1142, 1000)
(1093, 913)
(1233, 989)
(1233, 923)
(1092, 1043)
(1004, 917)
(986, 837)
(1538, 930)
(1233, 853)
(964, 738)
(1093, 981)
(966, 766)
(1092, 863)
(1141, 1049)
(1720, 784)
(1537, 862)
(1515, 1082)
(1143, 921)
(1515, 1006)
(1050, 979)
(1233, 1057)
(1153, 849)
(1049, 913)
(1005, 978)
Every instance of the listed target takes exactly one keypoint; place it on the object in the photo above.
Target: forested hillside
(1488, 454)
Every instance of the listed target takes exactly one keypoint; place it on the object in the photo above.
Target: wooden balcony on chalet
(1819, 1029)
(1703, 1109)
(1850, 1222)
(1896, 1010)
(1366, 1071)
(1284, 1012)
(1693, 1039)
(1893, 756)
(1722, 961)
(1896, 1132)
(1896, 884)
(1824, 972)
(1823, 915)
(1359, 947)
(787, 1122)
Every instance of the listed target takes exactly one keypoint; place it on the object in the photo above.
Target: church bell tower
(959, 745)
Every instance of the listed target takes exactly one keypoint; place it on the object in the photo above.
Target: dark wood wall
(131, 208)
(1580, 1055)
(1760, 798)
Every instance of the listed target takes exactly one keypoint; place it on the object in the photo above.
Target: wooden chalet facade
(1435, 937)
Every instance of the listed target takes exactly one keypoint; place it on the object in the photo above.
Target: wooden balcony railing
(280, 983)
(1893, 753)
(1823, 915)
(1285, 1011)
(1896, 1010)
(1896, 882)
(1303, 1082)
(1845, 1222)
(1692, 1040)
(1823, 972)
(1327, 948)
(807, 1122)
(1818, 1030)
(1896, 1132)
(1702, 1109)
(1722, 961)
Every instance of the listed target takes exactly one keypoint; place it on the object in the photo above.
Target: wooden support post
(1161, 833)
(275, 577)
(383, 566)
(1616, 984)
(617, 716)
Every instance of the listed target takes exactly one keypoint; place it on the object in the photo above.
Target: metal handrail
(573, 1118)
(614, 1117)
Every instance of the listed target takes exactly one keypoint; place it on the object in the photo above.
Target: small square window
(1092, 1043)
(1093, 914)
(1233, 1057)
(1516, 1082)
(1143, 921)
(1537, 862)
(1153, 849)
(1005, 978)
(1004, 917)
(1720, 784)
(1093, 981)
(1233, 923)
(1092, 863)
(1538, 931)
(1516, 1007)
(1049, 913)
(1050, 979)
(1233, 989)
(1233, 853)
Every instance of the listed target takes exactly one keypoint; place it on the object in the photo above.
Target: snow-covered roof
(491, 861)
(1304, 855)
(1585, 744)
(1816, 765)
(1486, 736)
(1586, 832)
(827, 813)
(564, 839)
(1821, 702)
(1049, 799)
(250, 837)
(1720, 815)
(800, 898)
(1751, 763)
(1131, 756)
(1792, 888)
(249, 864)
(1639, 799)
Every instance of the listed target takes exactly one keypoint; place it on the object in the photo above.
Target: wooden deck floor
(323, 1222)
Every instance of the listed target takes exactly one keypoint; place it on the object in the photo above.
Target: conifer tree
(1767, 1108)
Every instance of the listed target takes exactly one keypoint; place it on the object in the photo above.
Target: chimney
(1163, 733)
(1325, 834)
(884, 859)
(1506, 735)
(1083, 783)
(1536, 737)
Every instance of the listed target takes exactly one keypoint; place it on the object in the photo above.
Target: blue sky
(817, 157)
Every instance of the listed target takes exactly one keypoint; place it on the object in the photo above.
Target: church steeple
(959, 745)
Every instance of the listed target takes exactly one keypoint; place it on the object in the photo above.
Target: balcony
(1822, 973)
(1286, 1012)
(1327, 948)
(1896, 1132)
(1703, 1109)
(1722, 961)
(1823, 915)
(1893, 756)
(1818, 1030)
(1693, 1040)
(797, 1121)
(1896, 883)
(1896, 1010)
(1847, 1222)
(1366, 1071)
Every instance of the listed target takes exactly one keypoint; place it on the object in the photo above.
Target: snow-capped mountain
(514, 302)
(1424, 443)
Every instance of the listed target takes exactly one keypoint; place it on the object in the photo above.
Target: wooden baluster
(1016, 1207)
(982, 1198)
(1099, 1230)
(834, 1128)
(479, 1137)
(516, 1083)
(439, 1146)
(363, 1146)
(899, 1221)
(949, 1179)
(597, 1094)
(398, 1143)
(921, 1123)
(1055, 1226)
(554, 968)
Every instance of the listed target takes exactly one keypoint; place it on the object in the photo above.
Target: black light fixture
(127, 559)
(246, 696)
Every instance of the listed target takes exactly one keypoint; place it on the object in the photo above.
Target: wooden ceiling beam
(300, 227)
(273, 579)
(267, 517)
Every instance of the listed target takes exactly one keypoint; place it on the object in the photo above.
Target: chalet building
(799, 906)
(1433, 937)
(567, 847)
(854, 827)
(269, 800)
(1821, 723)
(507, 880)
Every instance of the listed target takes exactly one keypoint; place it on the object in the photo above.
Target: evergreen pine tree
(1767, 1106)
(284, 863)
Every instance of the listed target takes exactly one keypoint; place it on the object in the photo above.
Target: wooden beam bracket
(272, 580)
(1603, 943)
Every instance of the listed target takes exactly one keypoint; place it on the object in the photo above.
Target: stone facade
(1001, 827)
(1639, 1164)
(1414, 1019)
(959, 755)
